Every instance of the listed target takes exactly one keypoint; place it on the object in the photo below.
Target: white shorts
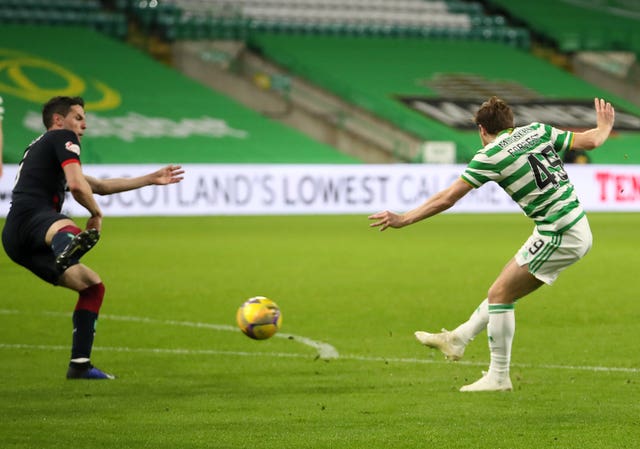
(548, 255)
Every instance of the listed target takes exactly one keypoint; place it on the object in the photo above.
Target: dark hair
(58, 105)
(494, 115)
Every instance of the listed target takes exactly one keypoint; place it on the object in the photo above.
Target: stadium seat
(603, 25)
(426, 18)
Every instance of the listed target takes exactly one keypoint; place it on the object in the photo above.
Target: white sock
(500, 330)
(476, 323)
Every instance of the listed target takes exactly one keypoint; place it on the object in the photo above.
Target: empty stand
(162, 117)
(432, 89)
(237, 19)
(215, 19)
(88, 13)
(580, 25)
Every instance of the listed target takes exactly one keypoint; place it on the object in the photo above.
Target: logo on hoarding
(134, 126)
(456, 96)
(565, 114)
(617, 187)
(22, 73)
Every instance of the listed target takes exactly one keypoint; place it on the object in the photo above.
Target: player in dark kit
(39, 237)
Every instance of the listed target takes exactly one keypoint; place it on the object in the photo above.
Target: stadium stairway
(261, 85)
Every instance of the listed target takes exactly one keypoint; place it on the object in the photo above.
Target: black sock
(84, 322)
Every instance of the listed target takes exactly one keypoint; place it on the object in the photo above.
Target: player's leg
(27, 240)
(69, 243)
(90, 290)
(514, 282)
(41, 261)
(538, 262)
(453, 343)
(476, 323)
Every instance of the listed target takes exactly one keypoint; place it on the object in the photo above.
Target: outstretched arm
(593, 138)
(437, 203)
(170, 174)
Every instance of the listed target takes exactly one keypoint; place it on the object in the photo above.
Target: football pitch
(345, 371)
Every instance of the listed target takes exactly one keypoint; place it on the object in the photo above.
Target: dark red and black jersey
(40, 181)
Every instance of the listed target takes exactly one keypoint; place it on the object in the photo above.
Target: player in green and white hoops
(524, 162)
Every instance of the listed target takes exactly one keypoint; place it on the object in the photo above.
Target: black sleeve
(67, 147)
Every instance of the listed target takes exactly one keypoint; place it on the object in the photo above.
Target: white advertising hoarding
(248, 189)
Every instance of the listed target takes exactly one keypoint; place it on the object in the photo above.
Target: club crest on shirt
(74, 148)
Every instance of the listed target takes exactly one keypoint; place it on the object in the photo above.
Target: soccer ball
(259, 318)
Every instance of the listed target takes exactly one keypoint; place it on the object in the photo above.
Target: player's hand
(386, 219)
(95, 223)
(605, 113)
(170, 174)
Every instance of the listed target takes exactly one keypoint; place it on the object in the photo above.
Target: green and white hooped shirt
(524, 162)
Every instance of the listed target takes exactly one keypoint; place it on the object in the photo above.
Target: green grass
(576, 370)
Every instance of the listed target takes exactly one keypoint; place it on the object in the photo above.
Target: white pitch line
(302, 356)
(325, 350)
(517, 365)
(158, 350)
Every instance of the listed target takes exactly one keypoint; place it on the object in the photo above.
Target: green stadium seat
(122, 5)
(183, 29)
(605, 25)
(168, 25)
(120, 26)
(22, 16)
(201, 27)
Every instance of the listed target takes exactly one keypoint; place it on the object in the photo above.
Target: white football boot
(447, 342)
(489, 383)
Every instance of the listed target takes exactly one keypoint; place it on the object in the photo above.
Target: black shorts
(23, 238)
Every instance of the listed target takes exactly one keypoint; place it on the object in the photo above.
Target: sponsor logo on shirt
(74, 148)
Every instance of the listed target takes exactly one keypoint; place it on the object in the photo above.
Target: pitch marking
(325, 351)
